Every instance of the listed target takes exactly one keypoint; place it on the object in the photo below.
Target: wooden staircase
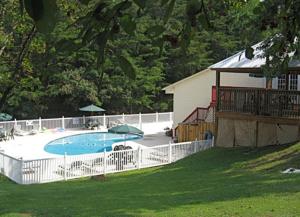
(196, 124)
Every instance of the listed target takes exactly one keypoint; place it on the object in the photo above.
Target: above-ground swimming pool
(87, 143)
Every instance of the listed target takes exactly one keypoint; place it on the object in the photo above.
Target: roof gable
(170, 88)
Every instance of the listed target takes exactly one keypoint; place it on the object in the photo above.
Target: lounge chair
(19, 132)
(73, 169)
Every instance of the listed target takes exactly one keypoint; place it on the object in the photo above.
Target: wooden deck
(259, 102)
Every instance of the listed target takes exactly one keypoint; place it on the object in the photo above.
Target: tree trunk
(18, 67)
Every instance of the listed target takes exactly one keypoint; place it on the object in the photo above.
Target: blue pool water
(87, 143)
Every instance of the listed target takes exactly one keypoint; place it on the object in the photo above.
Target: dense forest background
(41, 76)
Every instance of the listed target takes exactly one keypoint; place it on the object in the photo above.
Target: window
(281, 82)
(293, 82)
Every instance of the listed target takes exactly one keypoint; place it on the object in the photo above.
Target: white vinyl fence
(79, 122)
(71, 167)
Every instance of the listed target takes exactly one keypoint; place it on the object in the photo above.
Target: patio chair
(92, 124)
(35, 129)
(3, 136)
(11, 134)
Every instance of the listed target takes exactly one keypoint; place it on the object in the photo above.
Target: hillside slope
(216, 182)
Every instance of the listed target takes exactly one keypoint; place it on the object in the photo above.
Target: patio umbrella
(5, 117)
(91, 108)
(125, 129)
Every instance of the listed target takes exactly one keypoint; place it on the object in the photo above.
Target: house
(198, 90)
(246, 112)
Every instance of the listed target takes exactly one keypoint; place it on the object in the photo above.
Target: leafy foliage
(117, 54)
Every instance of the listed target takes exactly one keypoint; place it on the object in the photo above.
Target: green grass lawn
(216, 182)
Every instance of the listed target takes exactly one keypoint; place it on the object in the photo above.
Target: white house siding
(195, 91)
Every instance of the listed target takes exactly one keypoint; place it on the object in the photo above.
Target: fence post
(140, 121)
(63, 122)
(171, 116)
(21, 170)
(123, 117)
(104, 120)
(156, 118)
(104, 163)
(170, 152)
(213, 142)
(40, 124)
(83, 119)
(65, 166)
(16, 122)
(195, 145)
(139, 156)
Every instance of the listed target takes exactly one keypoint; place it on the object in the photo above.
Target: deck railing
(71, 167)
(256, 101)
(79, 122)
(201, 114)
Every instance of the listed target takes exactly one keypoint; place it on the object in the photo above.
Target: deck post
(83, 120)
(123, 117)
(218, 79)
(218, 89)
(156, 117)
(287, 80)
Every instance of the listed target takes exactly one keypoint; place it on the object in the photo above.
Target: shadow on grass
(211, 176)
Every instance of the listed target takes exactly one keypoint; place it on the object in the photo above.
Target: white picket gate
(71, 167)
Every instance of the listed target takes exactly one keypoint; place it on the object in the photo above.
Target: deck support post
(218, 80)
(287, 81)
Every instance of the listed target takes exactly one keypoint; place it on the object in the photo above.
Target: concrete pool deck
(31, 147)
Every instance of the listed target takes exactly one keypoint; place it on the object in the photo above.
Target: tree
(104, 18)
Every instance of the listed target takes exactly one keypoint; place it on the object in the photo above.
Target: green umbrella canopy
(5, 117)
(92, 108)
(125, 129)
